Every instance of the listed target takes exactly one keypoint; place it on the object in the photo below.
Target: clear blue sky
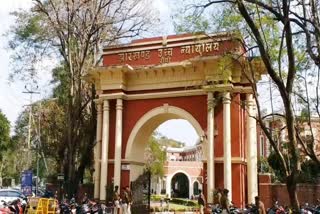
(13, 101)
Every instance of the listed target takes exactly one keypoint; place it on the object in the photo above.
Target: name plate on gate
(125, 167)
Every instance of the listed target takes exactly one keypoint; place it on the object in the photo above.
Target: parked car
(8, 195)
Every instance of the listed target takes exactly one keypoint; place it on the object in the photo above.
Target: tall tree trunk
(291, 182)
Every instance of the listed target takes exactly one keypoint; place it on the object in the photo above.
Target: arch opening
(180, 186)
(138, 146)
(196, 188)
(144, 128)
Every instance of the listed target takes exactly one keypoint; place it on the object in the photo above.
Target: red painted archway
(192, 77)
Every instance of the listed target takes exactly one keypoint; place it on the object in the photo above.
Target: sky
(13, 101)
(178, 129)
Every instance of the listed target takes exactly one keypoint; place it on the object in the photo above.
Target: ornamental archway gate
(199, 78)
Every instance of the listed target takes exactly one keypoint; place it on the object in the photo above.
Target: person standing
(129, 199)
(124, 201)
(260, 205)
(116, 200)
(201, 202)
(217, 198)
(225, 203)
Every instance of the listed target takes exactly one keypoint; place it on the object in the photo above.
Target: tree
(4, 133)
(4, 139)
(164, 141)
(71, 32)
(47, 117)
(281, 33)
(158, 157)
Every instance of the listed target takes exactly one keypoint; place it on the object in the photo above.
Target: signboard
(170, 49)
(26, 182)
(125, 167)
(151, 56)
(60, 177)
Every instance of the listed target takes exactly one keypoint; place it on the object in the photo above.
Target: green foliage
(183, 201)
(275, 164)
(304, 115)
(29, 40)
(159, 157)
(157, 144)
(283, 35)
(164, 141)
(191, 24)
(11, 149)
(4, 134)
(309, 170)
(50, 117)
(29, 28)
(225, 68)
(264, 166)
(61, 81)
(156, 197)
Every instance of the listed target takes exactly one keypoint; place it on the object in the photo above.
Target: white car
(8, 195)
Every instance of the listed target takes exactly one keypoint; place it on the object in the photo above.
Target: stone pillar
(159, 186)
(168, 186)
(252, 176)
(210, 152)
(190, 188)
(118, 144)
(104, 151)
(97, 152)
(227, 143)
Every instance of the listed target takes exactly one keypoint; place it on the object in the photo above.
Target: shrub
(156, 197)
(185, 202)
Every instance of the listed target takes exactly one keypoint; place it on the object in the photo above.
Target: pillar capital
(250, 100)
(106, 105)
(211, 101)
(99, 107)
(98, 101)
(226, 99)
(119, 105)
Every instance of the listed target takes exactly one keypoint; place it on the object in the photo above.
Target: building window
(261, 146)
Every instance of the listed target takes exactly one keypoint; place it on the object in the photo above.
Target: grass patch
(175, 204)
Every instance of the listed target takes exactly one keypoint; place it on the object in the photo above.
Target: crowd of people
(122, 202)
(221, 200)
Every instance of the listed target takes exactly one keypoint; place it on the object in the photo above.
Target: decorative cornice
(156, 95)
(218, 87)
(122, 95)
(240, 160)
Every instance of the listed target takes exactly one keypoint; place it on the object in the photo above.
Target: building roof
(183, 149)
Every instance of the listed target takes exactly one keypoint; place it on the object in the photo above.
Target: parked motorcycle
(233, 210)
(14, 207)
